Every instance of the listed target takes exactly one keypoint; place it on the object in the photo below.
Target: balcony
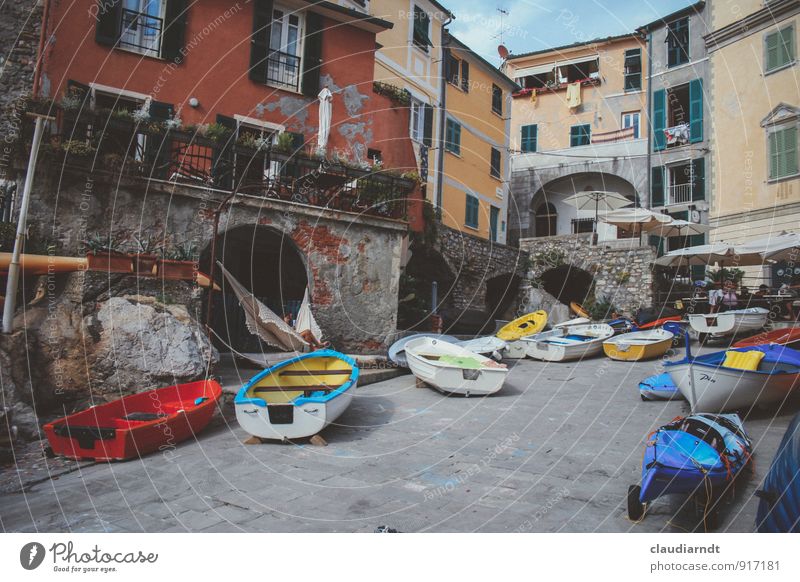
(592, 154)
(679, 194)
(141, 33)
(625, 134)
(117, 145)
(283, 70)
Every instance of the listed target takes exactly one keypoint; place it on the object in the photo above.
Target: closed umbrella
(325, 114)
(598, 200)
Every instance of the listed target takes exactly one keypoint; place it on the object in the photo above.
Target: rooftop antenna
(502, 26)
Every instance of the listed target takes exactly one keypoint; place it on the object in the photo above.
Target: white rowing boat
(568, 343)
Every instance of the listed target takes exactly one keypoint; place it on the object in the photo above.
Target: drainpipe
(442, 109)
(37, 73)
(648, 104)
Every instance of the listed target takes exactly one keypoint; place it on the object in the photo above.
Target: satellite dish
(502, 51)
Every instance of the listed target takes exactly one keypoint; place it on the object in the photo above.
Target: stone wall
(622, 270)
(20, 23)
(352, 262)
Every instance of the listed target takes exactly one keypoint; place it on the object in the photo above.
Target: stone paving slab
(555, 450)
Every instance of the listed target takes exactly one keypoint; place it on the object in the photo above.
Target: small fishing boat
(638, 345)
(568, 343)
(135, 425)
(490, 346)
(523, 326)
(736, 379)
(729, 323)
(659, 387)
(299, 397)
(786, 336)
(454, 370)
(397, 351)
(779, 508)
(699, 455)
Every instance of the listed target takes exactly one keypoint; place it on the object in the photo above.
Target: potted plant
(179, 263)
(144, 261)
(103, 254)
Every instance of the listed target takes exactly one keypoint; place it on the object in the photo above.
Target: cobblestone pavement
(555, 450)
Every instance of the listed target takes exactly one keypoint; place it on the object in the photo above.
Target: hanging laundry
(574, 94)
(678, 134)
(533, 96)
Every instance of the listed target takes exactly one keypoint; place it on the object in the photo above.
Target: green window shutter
(174, 29)
(773, 154)
(427, 136)
(529, 138)
(657, 184)
(312, 55)
(696, 110)
(109, 23)
(783, 153)
(698, 179)
(472, 211)
(786, 46)
(790, 150)
(659, 120)
(161, 111)
(772, 57)
(259, 40)
(465, 76)
(494, 214)
(453, 137)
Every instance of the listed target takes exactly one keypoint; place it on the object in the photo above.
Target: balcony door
(142, 25)
(284, 64)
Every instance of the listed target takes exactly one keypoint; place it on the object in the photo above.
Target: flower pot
(110, 262)
(144, 265)
(177, 270)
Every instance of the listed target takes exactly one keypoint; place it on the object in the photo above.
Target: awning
(537, 70)
(578, 60)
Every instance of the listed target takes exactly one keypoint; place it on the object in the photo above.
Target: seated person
(715, 298)
(729, 299)
(763, 291)
(306, 334)
(791, 290)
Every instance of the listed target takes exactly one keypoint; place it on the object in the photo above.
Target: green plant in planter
(216, 132)
(121, 114)
(78, 147)
(284, 143)
(723, 274)
(147, 244)
(73, 99)
(600, 309)
(97, 243)
(413, 176)
(186, 251)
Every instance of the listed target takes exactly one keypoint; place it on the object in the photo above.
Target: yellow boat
(522, 326)
(579, 310)
(638, 345)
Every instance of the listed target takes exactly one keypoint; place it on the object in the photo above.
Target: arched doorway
(546, 220)
(425, 268)
(501, 296)
(567, 283)
(269, 265)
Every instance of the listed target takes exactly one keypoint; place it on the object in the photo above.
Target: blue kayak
(698, 455)
(659, 387)
(779, 508)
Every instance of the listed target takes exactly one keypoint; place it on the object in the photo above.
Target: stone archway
(568, 283)
(425, 268)
(268, 264)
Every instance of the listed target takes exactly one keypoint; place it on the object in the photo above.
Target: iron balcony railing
(141, 32)
(680, 194)
(283, 69)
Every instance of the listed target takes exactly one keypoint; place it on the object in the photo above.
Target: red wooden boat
(786, 336)
(137, 424)
(660, 322)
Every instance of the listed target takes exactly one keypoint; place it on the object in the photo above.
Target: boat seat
(315, 373)
(579, 338)
(743, 360)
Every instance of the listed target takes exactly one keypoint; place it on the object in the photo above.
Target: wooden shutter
(174, 29)
(529, 138)
(312, 55)
(783, 153)
(772, 50)
(790, 150)
(298, 141)
(698, 179)
(696, 110)
(495, 163)
(659, 121)
(109, 22)
(259, 40)
(457, 137)
(427, 136)
(786, 45)
(222, 161)
(465, 76)
(657, 185)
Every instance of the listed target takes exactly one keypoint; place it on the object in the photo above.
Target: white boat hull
(491, 346)
(515, 350)
(308, 419)
(553, 347)
(730, 323)
(718, 389)
(452, 379)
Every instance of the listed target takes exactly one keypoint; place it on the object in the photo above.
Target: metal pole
(19, 241)
(434, 296)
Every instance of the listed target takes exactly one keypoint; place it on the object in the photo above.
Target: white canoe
(489, 346)
(397, 351)
(297, 398)
(452, 369)
(730, 323)
(568, 343)
(709, 386)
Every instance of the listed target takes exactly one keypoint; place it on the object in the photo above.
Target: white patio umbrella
(677, 227)
(780, 247)
(325, 114)
(698, 255)
(598, 200)
(635, 218)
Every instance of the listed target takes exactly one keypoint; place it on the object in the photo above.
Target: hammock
(262, 322)
(305, 319)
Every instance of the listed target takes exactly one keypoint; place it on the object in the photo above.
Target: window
(495, 165)
(472, 212)
(457, 71)
(421, 30)
(584, 70)
(546, 220)
(283, 63)
(582, 225)
(154, 28)
(494, 216)
(374, 156)
(142, 25)
(631, 120)
(633, 69)
(783, 152)
(421, 122)
(779, 49)
(251, 165)
(580, 135)
(452, 140)
(680, 183)
(529, 139)
(678, 115)
(497, 100)
(678, 42)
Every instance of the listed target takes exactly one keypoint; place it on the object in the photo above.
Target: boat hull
(554, 348)
(636, 346)
(659, 387)
(523, 326)
(779, 507)
(784, 337)
(515, 350)
(397, 351)
(109, 432)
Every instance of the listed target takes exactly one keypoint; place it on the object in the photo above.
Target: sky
(532, 25)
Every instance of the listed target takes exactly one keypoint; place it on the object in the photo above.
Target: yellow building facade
(477, 96)
(755, 119)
